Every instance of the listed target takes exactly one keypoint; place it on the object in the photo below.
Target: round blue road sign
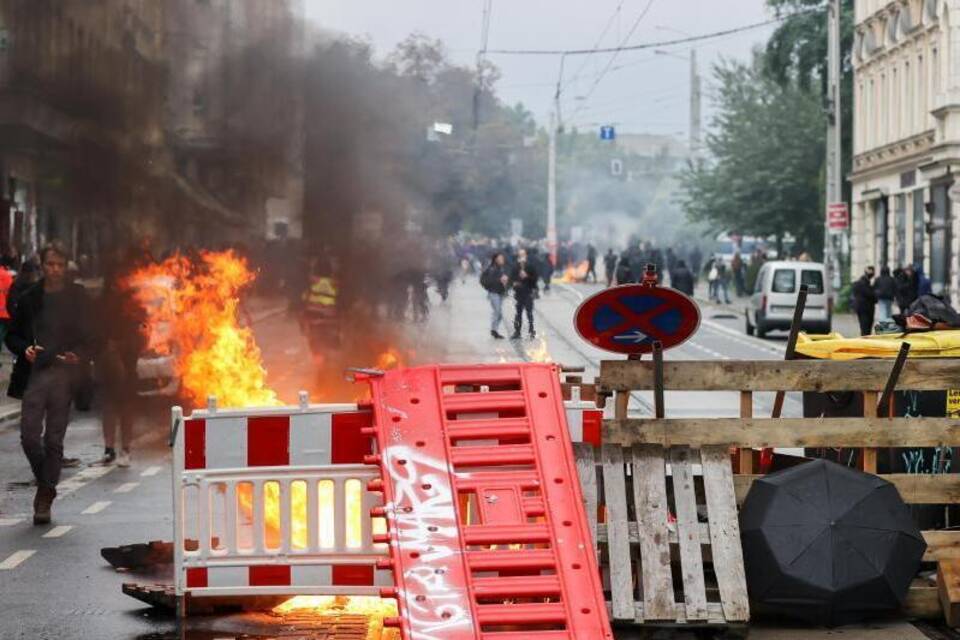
(630, 318)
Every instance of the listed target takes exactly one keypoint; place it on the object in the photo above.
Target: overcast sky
(643, 92)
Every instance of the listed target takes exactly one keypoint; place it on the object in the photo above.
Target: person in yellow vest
(320, 320)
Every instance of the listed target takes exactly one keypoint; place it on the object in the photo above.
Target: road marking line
(15, 559)
(151, 471)
(58, 532)
(81, 479)
(96, 507)
(126, 487)
(9, 522)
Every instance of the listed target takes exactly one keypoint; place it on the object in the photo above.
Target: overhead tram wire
(648, 45)
(603, 34)
(613, 58)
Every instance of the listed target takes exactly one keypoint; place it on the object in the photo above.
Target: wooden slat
(785, 432)
(725, 533)
(921, 374)
(615, 499)
(941, 545)
(714, 614)
(948, 588)
(587, 472)
(634, 536)
(621, 404)
(688, 532)
(922, 602)
(650, 499)
(746, 411)
(943, 488)
(869, 454)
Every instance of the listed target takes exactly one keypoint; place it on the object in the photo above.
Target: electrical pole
(834, 160)
(694, 106)
(552, 191)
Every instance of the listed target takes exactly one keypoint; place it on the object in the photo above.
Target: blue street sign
(607, 132)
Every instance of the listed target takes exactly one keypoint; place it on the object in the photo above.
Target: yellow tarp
(928, 344)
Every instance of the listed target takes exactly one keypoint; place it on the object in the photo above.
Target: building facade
(906, 144)
(116, 121)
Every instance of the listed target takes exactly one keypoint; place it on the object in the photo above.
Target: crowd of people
(872, 296)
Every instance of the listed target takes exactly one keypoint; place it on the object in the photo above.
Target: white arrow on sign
(637, 337)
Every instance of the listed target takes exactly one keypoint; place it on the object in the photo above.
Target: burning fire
(192, 314)
(575, 273)
(540, 352)
(389, 359)
(376, 608)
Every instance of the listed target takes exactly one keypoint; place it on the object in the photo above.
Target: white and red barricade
(273, 501)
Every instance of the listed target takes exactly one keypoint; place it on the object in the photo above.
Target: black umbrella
(828, 544)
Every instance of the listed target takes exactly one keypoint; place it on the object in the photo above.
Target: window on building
(900, 229)
(918, 227)
(880, 232)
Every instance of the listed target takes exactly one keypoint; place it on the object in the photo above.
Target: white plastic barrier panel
(584, 419)
(274, 501)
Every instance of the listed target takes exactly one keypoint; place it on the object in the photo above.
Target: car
(775, 296)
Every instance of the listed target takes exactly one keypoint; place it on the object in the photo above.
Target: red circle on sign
(630, 318)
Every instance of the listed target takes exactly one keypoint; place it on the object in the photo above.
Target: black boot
(495, 335)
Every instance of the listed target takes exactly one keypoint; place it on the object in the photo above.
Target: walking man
(610, 264)
(591, 263)
(524, 280)
(865, 301)
(50, 336)
(494, 280)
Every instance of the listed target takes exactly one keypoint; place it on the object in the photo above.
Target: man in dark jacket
(886, 289)
(908, 286)
(681, 279)
(524, 279)
(50, 336)
(865, 301)
(610, 265)
(494, 280)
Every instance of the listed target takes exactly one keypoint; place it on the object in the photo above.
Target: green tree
(797, 54)
(766, 148)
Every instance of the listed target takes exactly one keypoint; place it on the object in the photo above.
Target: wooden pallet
(687, 572)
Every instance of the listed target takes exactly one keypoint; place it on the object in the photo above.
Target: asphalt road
(54, 584)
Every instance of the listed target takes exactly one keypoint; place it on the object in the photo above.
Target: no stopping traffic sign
(630, 318)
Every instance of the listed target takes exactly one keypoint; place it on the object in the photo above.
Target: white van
(775, 296)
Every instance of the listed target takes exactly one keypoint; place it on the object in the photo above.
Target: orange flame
(192, 309)
(390, 359)
(575, 273)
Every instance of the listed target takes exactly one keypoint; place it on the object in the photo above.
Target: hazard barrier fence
(488, 534)
(273, 501)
